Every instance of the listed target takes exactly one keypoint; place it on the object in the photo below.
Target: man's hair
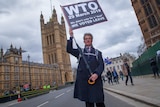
(88, 34)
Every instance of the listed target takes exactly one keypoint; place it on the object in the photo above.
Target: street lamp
(29, 72)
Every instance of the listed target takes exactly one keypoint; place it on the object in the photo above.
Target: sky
(20, 26)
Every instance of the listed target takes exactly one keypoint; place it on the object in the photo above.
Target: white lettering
(92, 5)
(72, 9)
(98, 19)
(83, 7)
(85, 22)
(82, 14)
(75, 9)
(95, 11)
(78, 21)
(71, 17)
(74, 25)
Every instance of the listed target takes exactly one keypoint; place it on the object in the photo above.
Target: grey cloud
(9, 4)
(116, 5)
(4, 12)
(114, 39)
(20, 26)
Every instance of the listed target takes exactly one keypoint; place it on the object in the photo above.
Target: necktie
(88, 49)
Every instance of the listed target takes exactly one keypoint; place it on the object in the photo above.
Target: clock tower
(54, 41)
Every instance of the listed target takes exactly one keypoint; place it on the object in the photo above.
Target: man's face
(88, 40)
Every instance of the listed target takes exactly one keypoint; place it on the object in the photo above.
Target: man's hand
(93, 77)
(70, 32)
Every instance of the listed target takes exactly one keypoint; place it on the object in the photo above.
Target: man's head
(88, 39)
(158, 52)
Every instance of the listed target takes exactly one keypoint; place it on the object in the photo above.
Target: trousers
(88, 104)
(129, 75)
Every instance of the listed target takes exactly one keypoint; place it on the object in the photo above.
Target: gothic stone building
(148, 15)
(54, 41)
(56, 68)
(15, 73)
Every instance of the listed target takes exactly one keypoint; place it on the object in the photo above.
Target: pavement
(146, 89)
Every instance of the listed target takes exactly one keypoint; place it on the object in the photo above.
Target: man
(126, 71)
(109, 76)
(121, 74)
(115, 76)
(90, 93)
(158, 56)
(154, 67)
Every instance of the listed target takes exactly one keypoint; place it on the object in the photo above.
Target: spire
(54, 11)
(11, 46)
(62, 21)
(20, 50)
(1, 50)
(54, 15)
(41, 16)
(1, 53)
(41, 19)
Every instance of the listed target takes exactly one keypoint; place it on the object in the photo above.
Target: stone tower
(148, 15)
(54, 41)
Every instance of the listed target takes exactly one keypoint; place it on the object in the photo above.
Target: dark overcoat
(82, 90)
(154, 65)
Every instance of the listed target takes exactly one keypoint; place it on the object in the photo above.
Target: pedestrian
(104, 78)
(158, 56)
(89, 93)
(112, 75)
(115, 76)
(109, 76)
(121, 74)
(126, 71)
(154, 67)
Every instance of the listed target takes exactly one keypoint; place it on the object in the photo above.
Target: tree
(141, 47)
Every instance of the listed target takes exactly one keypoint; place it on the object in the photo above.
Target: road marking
(13, 103)
(59, 95)
(42, 104)
(68, 90)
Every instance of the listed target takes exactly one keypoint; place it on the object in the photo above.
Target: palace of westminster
(57, 67)
(15, 72)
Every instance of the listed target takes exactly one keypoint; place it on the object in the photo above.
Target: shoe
(132, 84)
(126, 83)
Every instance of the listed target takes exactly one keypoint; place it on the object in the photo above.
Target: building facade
(56, 70)
(148, 15)
(54, 42)
(117, 62)
(15, 73)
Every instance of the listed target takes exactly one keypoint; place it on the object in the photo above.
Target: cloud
(20, 26)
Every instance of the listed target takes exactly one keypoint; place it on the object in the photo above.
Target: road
(64, 98)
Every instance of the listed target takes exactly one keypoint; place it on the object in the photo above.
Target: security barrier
(141, 66)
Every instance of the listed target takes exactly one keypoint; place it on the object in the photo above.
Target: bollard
(19, 97)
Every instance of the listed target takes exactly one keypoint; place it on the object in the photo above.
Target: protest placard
(83, 14)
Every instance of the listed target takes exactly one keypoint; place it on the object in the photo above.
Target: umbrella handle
(91, 82)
